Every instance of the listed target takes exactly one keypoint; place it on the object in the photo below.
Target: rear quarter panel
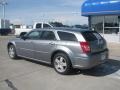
(72, 49)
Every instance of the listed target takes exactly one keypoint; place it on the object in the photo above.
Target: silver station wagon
(65, 49)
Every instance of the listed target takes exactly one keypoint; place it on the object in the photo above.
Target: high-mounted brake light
(85, 47)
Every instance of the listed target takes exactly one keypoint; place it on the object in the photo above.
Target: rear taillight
(85, 47)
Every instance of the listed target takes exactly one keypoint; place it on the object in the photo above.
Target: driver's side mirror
(23, 35)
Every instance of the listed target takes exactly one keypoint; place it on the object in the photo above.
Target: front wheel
(12, 52)
(62, 63)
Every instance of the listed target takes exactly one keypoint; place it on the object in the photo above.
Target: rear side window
(39, 25)
(46, 26)
(91, 35)
(67, 36)
(48, 35)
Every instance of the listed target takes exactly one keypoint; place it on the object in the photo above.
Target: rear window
(46, 26)
(38, 25)
(91, 35)
(65, 36)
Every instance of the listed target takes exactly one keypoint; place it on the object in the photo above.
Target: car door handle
(51, 43)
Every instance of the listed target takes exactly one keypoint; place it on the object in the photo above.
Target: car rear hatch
(96, 42)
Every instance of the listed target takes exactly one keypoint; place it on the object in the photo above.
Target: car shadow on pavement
(110, 67)
(107, 68)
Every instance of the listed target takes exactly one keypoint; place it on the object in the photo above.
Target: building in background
(104, 17)
(4, 27)
(4, 24)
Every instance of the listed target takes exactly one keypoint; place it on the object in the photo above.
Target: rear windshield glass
(91, 35)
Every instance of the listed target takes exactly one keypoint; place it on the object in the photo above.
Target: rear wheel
(12, 52)
(62, 63)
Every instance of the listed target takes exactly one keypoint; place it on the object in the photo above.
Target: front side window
(48, 35)
(67, 36)
(34, 35)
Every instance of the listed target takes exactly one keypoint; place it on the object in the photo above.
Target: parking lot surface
(24, 74)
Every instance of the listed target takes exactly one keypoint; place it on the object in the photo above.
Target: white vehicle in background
(37, 25)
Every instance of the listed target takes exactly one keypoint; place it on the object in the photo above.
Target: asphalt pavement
(24, 74)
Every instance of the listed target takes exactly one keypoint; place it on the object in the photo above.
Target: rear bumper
(91, 60)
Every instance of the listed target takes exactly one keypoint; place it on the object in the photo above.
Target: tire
(62, 64)
(12, 52)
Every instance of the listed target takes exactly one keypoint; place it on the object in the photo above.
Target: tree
(81, 26)
(56, 24)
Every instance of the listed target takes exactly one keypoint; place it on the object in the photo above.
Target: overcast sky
(29, 11)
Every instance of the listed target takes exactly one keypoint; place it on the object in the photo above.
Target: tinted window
(48, 35)
(34, 35)
(38, 25)
(67, 36)
(17, 26)
(46, 26)
(91, 35)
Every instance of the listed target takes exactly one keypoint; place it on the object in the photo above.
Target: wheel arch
(60, 51)
(10, 43)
